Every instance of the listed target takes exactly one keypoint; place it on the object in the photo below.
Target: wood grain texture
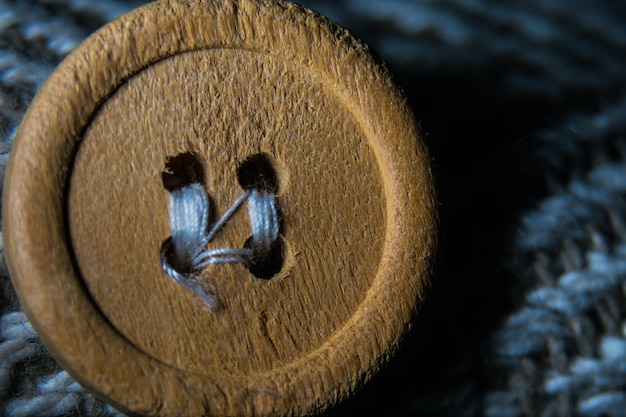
(85, 210)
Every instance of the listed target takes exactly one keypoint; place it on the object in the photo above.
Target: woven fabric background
(524, 107)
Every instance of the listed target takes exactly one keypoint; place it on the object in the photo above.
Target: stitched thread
(184, 255)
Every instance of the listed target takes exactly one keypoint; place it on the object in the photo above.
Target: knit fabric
(523, 104)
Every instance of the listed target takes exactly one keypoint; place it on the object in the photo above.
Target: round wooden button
(220, 93)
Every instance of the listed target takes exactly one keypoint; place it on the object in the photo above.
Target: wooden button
(212, 91)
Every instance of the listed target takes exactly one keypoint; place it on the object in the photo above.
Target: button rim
(408, 180)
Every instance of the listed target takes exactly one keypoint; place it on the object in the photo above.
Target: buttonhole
(257, 173)
(182, 170)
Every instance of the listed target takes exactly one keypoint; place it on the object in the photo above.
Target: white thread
(263, 219)
(189, 214)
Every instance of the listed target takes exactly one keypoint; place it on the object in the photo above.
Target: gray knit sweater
(524, 106)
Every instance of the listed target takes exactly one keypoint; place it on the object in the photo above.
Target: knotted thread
(184, 255)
